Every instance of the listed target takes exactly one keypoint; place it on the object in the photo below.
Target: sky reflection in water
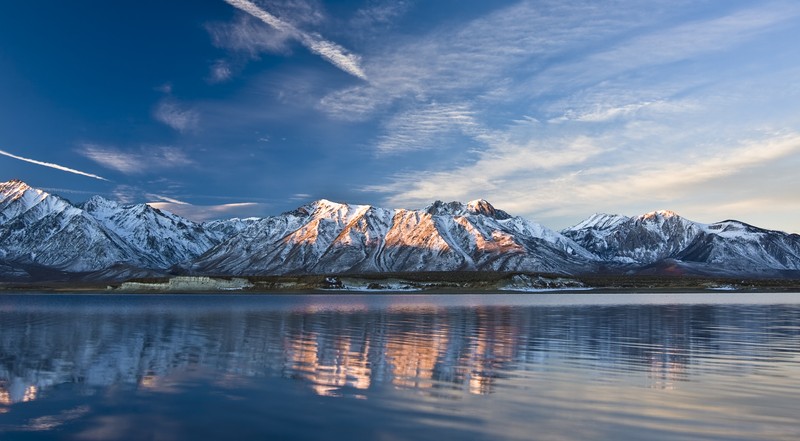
(400, 367)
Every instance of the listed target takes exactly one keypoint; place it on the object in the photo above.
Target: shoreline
(414, 284)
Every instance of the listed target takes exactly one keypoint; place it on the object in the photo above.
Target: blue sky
(551, 110)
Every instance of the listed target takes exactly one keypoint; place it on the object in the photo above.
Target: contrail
(335, 54)
(51, 165)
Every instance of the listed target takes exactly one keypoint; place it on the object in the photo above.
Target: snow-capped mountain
(44, 230)
(635, 240)
(741, 248)
(42, 235)
(328, 237)
(729, 247)
(162, 238)
(225, 228)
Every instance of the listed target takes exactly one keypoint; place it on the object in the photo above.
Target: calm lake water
(401, 367)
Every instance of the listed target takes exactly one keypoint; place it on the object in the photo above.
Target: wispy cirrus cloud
(425, 128)
(505, 56)
(249, 36)
(555, 180)
(138, 161)
(622, 64)
(53, 165)
(379, 12)
(175, 115)
(203, 213)
(627, 98)
(512, 158)
(328, 50)
(475, 59)
(221, 71)
(166, 199)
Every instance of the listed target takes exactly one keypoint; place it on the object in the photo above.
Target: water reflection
(347, 351)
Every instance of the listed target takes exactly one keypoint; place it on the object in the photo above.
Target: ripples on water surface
(550, 367)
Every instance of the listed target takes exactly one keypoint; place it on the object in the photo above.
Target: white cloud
(249, 36)
(688, 40)
(176, 116)
(165, 88)
(661, 47)
(220, 72)
(560, 185)
(424, 128)
(498, 170)
(378, 13)
(330, 51)
(477, 59)
(167, 199)
(631, 104)
(638, 105)
(606, 113)
(202, 213)
(52, 165)
(335, 54)
(139, 161)
(506, 56)
(126, 194)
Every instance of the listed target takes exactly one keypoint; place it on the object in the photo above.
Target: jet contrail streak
(51, 165)
(330, 51)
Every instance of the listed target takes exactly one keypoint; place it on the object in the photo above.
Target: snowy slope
(37, 228)
(67, 240)
(45, 230)
(161, 238)
(223, 229)
(22, 203)
(736, 246)
(328, 237)
(730, 246)
(637, 240)
(40, 232)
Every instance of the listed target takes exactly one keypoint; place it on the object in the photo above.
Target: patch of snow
(507, 288)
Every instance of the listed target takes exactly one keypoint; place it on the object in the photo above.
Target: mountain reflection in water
(351, 347)
(516, 348)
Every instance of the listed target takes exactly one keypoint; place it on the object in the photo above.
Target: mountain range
(46, 237)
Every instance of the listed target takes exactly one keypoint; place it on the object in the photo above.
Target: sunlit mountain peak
(666, 214)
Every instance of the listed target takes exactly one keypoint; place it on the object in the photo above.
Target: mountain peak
(15, 186)
(328, 206)
(455, 208)
(315, 206)
(482, 206)
(327, 203)
(445, 208)
(659, 214)
(600, 221)
(15, 181)
(22, 196)
(330, 237)
(98, 203)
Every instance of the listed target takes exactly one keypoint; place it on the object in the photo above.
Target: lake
(721, 366)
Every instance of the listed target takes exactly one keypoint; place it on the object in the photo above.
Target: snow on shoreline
(189, 283)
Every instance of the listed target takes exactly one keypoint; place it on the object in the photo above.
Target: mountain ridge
(101, 239)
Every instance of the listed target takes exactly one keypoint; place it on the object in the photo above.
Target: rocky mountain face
(638, 240)
(161, 238)
(327, 237)
(663, 237)
(45, 236)
(41, 231)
